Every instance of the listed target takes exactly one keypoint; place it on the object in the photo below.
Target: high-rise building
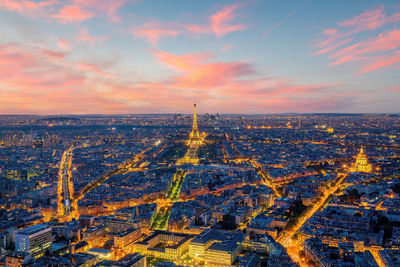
(34, 240)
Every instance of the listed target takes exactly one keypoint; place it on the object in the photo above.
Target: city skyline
(230, 57)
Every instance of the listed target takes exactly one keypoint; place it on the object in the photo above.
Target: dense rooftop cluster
(251, 190)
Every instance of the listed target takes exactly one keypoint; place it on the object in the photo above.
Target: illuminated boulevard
(279, 197)
(286, 237)
(67, 206)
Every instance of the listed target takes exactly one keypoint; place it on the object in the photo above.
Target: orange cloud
(199, 73)
(238, 85)
(40, 80)
(43, 81)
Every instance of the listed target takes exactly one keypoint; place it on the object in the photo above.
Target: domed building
(361, 164)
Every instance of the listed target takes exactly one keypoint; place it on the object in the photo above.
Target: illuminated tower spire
(195, 131)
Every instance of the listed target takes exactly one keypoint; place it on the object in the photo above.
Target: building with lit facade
(34, 240)
(164, 245)
(361, 164)
(101, 253)
(123, 239)
(217, 247)
(16, 259)
(95, 236)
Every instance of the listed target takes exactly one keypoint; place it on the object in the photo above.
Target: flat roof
(33, 229)
(100, 250)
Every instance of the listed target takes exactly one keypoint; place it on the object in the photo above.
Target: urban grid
(200, 190)
(199, 133)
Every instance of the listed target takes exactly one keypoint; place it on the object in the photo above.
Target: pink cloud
(330, 31)
(395, 88)
(379, 62)
(25, 7)
(370, 53)
(384, 42)
(63, 44)
(220, 21)
(32, 69)
(107, 8)
(366, 21)
(198, 72)
(331, 47)
(44, 81)
(73, 13)
(218, 24)
(197, 29)
(153, 32)
(226, 48)
(370, 20)
(84, 37)
(238, 85)
(41, 81)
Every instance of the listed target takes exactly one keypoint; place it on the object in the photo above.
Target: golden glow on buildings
(195, 140)
(361, 164)
(67, 205)
(194, 135)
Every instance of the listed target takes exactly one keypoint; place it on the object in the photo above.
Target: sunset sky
(144, 56)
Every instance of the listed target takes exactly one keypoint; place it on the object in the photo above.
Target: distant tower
(194, 135)
(361, 164)
(299, 123)
(195, 140)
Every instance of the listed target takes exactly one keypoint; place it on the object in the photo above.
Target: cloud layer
(371, 53)
(218, 24)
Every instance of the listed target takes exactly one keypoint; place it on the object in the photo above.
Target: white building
(34, 240)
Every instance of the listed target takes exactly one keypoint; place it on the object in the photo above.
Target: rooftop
(33, 229)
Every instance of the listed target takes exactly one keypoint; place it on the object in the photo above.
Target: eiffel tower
(194, 135)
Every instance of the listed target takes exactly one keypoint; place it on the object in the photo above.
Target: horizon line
(178, 113)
